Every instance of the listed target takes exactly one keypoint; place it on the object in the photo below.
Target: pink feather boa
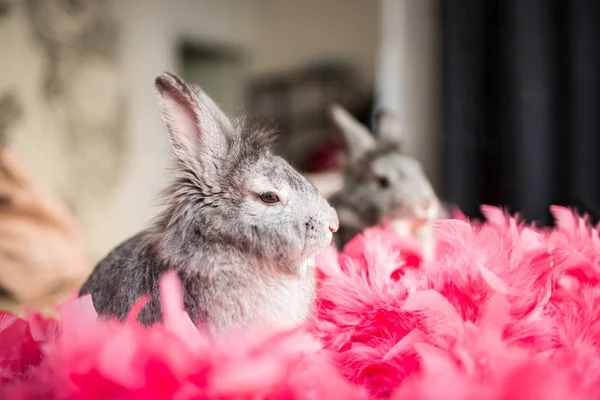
(506, 311)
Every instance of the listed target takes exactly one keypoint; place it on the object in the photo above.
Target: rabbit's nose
(334, 225)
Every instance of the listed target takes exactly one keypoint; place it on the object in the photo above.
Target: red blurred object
(327, 158)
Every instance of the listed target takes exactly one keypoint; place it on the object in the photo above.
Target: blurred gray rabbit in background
(381, 184)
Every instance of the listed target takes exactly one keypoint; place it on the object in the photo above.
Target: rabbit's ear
(197, 128)
(215, 111)
(357, 136)
(389, 127)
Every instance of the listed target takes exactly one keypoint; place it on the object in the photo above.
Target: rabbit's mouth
(315, 240)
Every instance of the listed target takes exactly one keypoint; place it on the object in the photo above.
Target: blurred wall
(289, 33)
(277, 35)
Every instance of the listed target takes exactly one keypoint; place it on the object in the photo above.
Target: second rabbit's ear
(357, 137)
(198, 130)
(388, 127)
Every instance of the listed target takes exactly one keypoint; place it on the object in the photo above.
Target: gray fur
(240, 260)
(380, 181)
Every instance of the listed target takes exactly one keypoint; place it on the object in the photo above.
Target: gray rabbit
(240, 228)
(381, 184)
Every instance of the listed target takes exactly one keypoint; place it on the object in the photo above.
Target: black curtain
(522, 105)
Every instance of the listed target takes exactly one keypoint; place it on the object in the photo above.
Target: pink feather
(505, 311)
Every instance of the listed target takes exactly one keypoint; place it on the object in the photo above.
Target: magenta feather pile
(506, 311)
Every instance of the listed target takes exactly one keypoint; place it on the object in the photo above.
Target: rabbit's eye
(269, 198)
(383, 181)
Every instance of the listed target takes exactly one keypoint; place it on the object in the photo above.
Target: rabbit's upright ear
(215, 111)
(389, 127)
(357, 137)
(198, 130)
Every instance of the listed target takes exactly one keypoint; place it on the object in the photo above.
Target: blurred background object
(499, 99)
(42, 251)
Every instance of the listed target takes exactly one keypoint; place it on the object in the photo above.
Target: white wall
(291, 32)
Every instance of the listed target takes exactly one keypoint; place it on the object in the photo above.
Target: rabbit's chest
(234, 299)
(287, 301)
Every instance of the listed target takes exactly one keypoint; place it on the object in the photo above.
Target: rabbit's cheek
(287, 210)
